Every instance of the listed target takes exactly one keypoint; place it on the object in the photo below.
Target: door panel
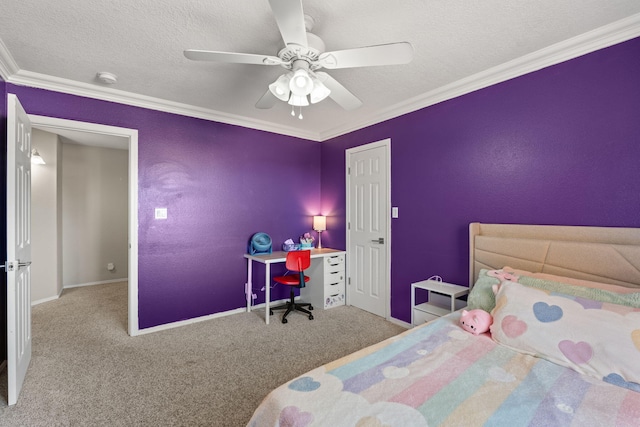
(368, 228)
(18, 246)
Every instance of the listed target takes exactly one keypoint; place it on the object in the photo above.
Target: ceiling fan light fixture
(280, 88)
(319, 92)
(298, 100)
(301, 83)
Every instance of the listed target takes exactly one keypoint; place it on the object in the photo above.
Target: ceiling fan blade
(339, 93)
(290, 19)
(383, 54)
(267, 101)
(236, 58)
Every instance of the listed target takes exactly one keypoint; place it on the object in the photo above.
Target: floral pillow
(592, 337)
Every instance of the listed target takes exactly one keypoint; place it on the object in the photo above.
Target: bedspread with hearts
(438, 374)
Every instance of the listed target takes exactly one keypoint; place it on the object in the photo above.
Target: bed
(563, 349)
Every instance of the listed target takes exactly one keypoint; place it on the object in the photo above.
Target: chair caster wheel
(270, 312)
(311, 317)
(310, 307)
(284, 320)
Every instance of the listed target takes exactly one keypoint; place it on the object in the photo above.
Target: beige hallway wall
(46, 219)
(94, 214)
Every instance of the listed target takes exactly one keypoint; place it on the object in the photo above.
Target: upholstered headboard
(600, 254)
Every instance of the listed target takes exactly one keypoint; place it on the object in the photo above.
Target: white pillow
(592, 337)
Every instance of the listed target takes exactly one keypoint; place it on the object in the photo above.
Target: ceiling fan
(303, 55)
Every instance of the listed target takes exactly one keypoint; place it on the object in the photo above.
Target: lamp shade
(319, 223)
(280, 88)
(298, 101)
(301, 83)
(319, 92)
(36, 158)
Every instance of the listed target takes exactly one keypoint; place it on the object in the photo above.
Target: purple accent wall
(558, 146)
(221, 183)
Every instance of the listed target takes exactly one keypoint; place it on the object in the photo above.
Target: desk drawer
(334, 294)
(334, 300)
(335, 260)
(332, 275)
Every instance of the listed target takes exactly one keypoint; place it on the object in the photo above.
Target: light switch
(394, 212)
(161, 213)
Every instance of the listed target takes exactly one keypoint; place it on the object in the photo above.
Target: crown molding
(56, 84)
(8, 66)
(600, 38)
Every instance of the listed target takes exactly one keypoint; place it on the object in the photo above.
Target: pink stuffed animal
(476, 321)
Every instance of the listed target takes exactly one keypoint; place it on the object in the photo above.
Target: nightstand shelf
(443, 298)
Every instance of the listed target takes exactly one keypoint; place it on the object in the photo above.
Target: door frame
(386, 144)
(51, 124)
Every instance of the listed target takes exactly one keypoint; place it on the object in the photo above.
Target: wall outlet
(161, 213)
(111, 266)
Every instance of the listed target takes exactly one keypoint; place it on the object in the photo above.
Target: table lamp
(319, 225)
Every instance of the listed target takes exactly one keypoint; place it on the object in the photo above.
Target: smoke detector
(107, 78)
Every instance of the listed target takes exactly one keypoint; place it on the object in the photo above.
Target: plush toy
(476, 321)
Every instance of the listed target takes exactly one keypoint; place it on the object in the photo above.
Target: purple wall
(220, 183)
(558, 146)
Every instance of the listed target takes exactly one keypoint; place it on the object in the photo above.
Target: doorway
(368, 180)
(110, 137)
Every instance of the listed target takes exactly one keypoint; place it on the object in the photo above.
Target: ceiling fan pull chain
(300, 116)
(293, 113)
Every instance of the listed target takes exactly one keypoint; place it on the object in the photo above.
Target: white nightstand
(443, 299)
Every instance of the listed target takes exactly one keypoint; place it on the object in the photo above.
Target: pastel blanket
(439, 375)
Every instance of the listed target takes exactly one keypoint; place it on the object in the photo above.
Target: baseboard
(102, 282)
(40, 301)
(399, 322)
(203, 318)
(55, 297)
(273, 303)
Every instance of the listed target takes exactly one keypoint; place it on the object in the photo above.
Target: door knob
(378, 240)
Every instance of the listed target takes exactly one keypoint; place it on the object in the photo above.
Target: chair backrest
(298, 260)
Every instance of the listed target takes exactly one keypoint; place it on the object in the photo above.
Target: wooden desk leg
(249, 285)
(267, 290)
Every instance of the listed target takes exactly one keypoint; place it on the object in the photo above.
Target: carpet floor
(86, 371)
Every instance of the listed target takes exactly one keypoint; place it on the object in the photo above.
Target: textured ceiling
(458, 45)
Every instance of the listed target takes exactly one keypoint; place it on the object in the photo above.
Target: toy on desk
(289, 246)
(476, 321)
(260, 244)
(306, 241)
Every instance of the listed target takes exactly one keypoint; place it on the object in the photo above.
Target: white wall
(46, 214)
(94, 214)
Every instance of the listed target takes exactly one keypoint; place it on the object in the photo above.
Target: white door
(368, 208)
(18, 261)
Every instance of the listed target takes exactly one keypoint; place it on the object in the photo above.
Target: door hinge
(349, 225)
(349, 171)
(349, 281)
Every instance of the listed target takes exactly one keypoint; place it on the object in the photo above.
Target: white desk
(272, 258)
